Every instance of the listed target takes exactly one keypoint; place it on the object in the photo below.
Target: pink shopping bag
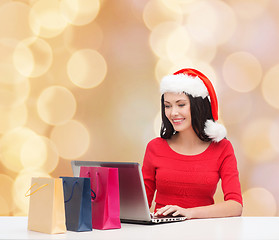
(106, 203)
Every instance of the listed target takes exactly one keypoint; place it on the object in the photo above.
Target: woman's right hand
(174, 211)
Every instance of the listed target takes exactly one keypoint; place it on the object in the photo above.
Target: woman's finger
(162, 210)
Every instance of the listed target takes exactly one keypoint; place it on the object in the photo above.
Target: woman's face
(178, 111)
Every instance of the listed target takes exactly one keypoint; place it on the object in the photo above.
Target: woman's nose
(174, 111)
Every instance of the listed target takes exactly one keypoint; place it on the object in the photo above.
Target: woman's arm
(228, 208)
(148, 172)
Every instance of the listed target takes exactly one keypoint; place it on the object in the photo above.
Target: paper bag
(77, 196)
(106, 205)
(46, 206)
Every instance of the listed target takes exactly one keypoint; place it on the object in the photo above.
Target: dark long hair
(200, 112)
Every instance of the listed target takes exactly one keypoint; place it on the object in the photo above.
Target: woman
(185, 164)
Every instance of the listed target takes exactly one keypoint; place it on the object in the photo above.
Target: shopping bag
(77, 196)
(106, 205)
(46, 206)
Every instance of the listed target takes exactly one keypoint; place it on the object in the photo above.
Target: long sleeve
(230, 176)
(148, 171)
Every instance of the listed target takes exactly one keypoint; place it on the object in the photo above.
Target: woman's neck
(187, 143)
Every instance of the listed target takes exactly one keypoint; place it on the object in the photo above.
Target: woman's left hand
(173, 210)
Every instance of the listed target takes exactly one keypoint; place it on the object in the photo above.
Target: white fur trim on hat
(215, 131)
(183, 83)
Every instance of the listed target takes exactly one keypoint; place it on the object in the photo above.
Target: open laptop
(133, 200)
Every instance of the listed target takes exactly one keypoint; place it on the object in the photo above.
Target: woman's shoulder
(223, 142)
(222, 145)
(157, 146)
(156, 141)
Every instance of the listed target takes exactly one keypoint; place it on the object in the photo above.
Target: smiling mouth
(177, 121)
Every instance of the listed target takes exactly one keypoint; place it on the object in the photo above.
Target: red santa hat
(196, 84)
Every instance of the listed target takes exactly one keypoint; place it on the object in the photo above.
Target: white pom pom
(215, 131)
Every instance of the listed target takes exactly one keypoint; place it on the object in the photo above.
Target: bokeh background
(79, 80)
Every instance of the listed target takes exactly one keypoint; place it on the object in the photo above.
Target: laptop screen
(133, 200)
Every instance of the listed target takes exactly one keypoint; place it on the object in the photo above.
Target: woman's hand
(174, 211)
(229, 208)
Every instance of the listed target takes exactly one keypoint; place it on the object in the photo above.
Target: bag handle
(31, 193)
(94, 195)
(76, 182)
(97, 184)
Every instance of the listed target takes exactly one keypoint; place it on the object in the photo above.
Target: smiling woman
(177, 111)
(79, 81)
(192, 155)
(198, 107)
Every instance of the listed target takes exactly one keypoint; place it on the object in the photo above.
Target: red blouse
(190, 180)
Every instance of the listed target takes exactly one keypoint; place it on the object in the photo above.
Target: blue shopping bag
(77, 197)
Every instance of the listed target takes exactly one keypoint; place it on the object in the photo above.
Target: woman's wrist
(188, 213)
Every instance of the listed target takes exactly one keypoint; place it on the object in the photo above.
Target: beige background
(79, 81)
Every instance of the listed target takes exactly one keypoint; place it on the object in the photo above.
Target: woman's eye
(181, 105)
(167, 106)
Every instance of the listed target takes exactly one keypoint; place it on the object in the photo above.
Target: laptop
(133, 200)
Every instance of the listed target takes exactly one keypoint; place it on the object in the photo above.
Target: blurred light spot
(4, 208)
(178, 43)
(56, 105)
(178, 5)
(56, 75)
(12, 117)
(87, 68)
(9, 26)
(52, 156)
(145, 136)
(249, 8)
(157, 124)
(46, 20)
(34, 121)
(13, 95)
(137, 8)
(6, 199)
(256, 141)
(80, 12)
(270, 87)
(39, 153)
(201, 51)
(274, 134)
(9, 75)
(230, 103)
(159, 38)
(212, 22)
(265, 176)
(258, 36)
(71, 139)
(33, 153)
(162, 68)
(259, 202)
(11, 146)
(32, 57)
(242, 71)
(21, 184)
(156, 13)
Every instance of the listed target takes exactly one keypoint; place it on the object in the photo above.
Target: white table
(245, 228)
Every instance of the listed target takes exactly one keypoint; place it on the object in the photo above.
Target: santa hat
(196, 84)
